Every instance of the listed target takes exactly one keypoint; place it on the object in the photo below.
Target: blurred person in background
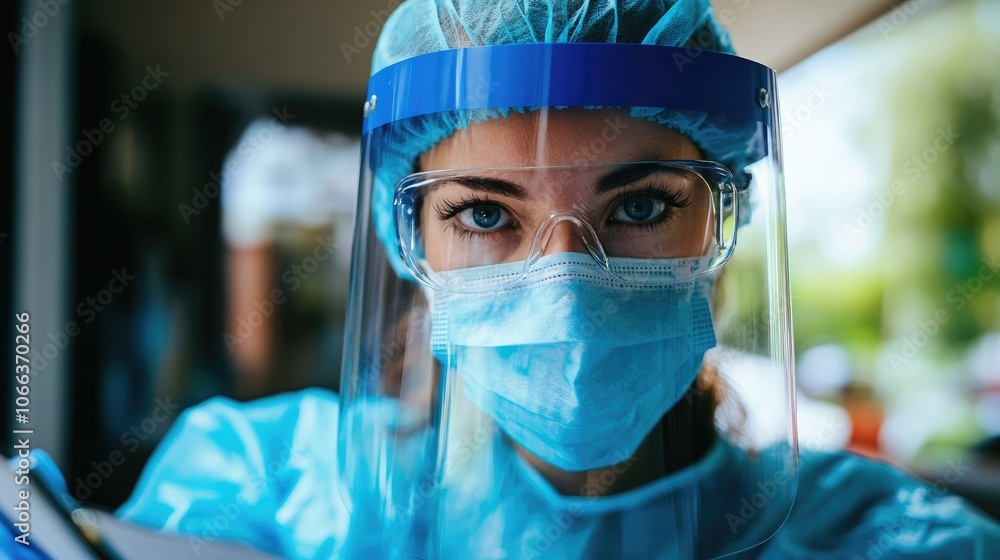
(282, 194)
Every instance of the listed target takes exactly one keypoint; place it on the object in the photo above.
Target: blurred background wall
(183, 179)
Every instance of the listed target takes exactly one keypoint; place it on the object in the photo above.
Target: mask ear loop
(590, 240)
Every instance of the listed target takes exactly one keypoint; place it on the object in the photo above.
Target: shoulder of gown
(850, 507)
(262, 472)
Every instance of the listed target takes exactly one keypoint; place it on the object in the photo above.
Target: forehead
(558, 137)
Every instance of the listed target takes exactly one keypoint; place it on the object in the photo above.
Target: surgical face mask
(573, 366)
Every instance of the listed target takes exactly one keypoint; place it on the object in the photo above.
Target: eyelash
(446, 209)
(672, 199)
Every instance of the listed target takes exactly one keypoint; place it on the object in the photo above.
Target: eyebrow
(610, 181)
(625, 175)
(495, 186)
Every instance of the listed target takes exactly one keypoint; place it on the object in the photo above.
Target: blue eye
(484, 217)
(639, 210)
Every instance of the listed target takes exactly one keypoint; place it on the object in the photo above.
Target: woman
(541, 333)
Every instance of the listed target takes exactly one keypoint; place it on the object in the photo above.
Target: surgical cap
(419, 27)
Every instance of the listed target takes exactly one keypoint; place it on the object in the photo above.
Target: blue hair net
(424, 26)
(419, 27)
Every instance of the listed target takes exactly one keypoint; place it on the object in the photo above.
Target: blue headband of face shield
(428, 97)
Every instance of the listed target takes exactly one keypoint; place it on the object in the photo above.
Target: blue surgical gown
(265, 473)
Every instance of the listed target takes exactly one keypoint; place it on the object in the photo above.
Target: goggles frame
(724, 188)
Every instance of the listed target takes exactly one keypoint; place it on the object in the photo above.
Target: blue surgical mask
(573, 365)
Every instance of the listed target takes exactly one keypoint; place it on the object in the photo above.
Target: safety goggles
(630, 217)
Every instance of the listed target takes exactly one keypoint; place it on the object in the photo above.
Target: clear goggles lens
(625, 215)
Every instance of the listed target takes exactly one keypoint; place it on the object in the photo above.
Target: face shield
(569, 326)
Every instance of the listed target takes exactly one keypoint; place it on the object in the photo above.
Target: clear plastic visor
(569, 332)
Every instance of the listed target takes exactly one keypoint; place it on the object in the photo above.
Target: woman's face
(490, 215)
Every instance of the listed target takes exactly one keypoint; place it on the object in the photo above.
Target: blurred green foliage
(943, 235)
(936, 210)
